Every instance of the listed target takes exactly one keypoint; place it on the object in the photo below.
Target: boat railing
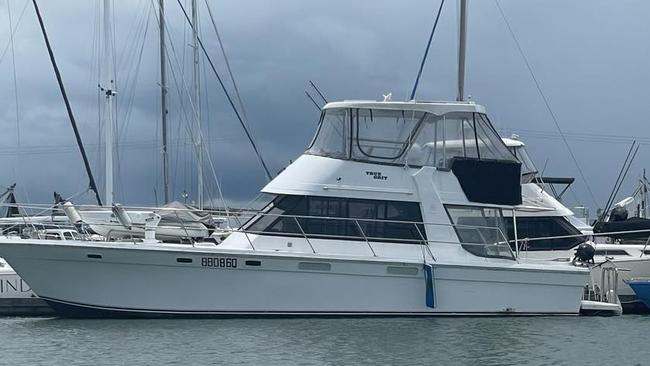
(488, 241)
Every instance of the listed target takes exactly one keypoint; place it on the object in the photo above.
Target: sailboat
(175, 221)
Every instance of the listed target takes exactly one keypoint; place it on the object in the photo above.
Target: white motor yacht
(396, 208)
(549, 230)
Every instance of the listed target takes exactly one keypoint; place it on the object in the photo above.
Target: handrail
(297, 218)
(365, 237)
(305, 235)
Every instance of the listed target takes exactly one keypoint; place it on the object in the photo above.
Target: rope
(426, 51)
(230, 101)
(546, 103)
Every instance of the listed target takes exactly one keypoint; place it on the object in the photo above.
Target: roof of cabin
(437, 108)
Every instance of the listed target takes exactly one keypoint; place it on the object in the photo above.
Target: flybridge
(437, 107)
(407, 133)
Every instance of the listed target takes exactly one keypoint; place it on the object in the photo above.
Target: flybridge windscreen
(406, 137)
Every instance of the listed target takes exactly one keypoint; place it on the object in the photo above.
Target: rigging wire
(187, 124)
(620, 183)
(15, 80)
(618, 177)
(426, 51)
(91, 182)
(546, 102)
(583, 137)
(227, 62)
(230, 101)
(12, 32)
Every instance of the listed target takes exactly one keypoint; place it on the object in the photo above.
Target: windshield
(406, 137)
(528, 169)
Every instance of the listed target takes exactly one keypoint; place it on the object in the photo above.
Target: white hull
(140, 280)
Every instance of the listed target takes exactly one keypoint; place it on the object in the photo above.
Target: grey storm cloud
(588, 56)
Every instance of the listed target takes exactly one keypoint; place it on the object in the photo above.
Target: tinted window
(480, 230)
(610, 252)
(541, 227)
(327, 218)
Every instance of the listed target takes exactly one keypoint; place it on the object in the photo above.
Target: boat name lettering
(377, 175)
(219, 262)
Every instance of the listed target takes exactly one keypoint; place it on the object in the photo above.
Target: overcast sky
(590, 58)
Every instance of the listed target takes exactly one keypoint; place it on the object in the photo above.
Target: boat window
(480, 230)
(328, 217)
(52, 236)
(67, 235)
(334, 135)
(383, 134)
(610, 252)
(528, 169)
(468, 135)
(544, 227)
(406, 137)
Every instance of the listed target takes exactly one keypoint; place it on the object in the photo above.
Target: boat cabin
(397, 172)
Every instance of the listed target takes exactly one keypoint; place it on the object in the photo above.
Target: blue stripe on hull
(75, 310)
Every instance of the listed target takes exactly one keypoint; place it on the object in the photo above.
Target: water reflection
(387, 341)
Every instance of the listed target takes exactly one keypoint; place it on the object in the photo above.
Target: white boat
(549, 230)
(378, 217)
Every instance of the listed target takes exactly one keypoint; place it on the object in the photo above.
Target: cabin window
(330, 217)
(480, 230)
(67, 235)
(528, 169)
(384, 134)
(333, 137)
(543, 227)
(53, 236)
(610, 252)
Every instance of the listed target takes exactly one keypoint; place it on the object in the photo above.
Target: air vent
(253, 263)
(315, 266)
(402, 271)
(94, 256)
(184, 260)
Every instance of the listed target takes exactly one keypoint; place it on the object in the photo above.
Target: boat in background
(546, 229)
(641, 287)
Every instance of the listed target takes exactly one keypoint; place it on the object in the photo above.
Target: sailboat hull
(129, 280)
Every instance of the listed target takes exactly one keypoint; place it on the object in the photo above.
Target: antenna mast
(462, 38)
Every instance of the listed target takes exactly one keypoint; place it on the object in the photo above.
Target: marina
(374, 218)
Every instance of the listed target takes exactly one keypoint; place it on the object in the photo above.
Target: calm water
(425, 341)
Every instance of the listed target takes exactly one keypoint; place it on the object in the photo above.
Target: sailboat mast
(109, 92)
(197, 102)
(163, 99)
(462, 38)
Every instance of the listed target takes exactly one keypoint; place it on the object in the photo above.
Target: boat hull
(641, 288)
(111, 280)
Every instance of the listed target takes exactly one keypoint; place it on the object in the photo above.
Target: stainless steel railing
(487, 241)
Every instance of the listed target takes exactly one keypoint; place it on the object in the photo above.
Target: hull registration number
(219, 262)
